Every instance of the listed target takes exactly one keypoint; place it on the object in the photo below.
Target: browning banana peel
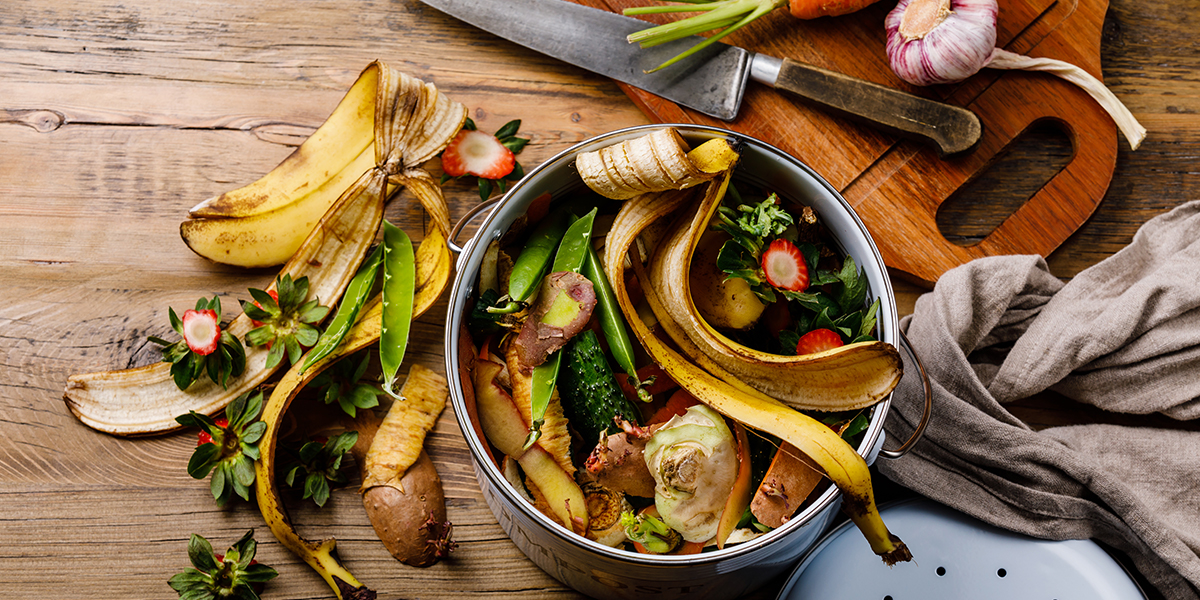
(840, 462)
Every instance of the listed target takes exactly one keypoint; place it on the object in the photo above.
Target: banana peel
(716, 387)
(846, 378)
(144, 400)
(655, 162)
(263, 224)
(406, 110)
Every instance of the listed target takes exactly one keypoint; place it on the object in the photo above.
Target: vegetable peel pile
(674, 440)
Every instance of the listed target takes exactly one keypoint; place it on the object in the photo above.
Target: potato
(724, 304)
(412, 524)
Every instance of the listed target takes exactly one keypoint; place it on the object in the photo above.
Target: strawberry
(274, 296)
(205, 348)
(818, 340)
(205, 437)
(490, 158)
(284, 315)
(479, 154)
(201, 331)
(228, 446)
(784, 267)
(234, 574)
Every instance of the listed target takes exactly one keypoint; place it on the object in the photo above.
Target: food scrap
(666, 434)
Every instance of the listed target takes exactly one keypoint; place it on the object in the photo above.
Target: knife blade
(713, 80)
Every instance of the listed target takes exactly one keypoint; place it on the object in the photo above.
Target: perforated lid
(957, 557)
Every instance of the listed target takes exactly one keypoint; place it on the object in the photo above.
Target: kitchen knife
(711, 81)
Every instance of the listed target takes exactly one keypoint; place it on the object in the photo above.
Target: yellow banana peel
(344, 137)
(655, 162)
(722, 390)
(846, 378)
(264, 223)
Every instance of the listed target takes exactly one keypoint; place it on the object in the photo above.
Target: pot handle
(920, 430)
(475, 211)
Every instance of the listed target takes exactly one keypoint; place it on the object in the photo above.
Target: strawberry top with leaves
(233, 574)
(490, 158)
(287, 319)
(320, 463)
(205, 347)
(228, 447)
(343, 383)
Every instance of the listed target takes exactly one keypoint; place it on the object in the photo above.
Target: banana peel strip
(846, 378)
(840, 462)
(655, 162)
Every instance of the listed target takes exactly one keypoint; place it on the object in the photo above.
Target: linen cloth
(1123, 335)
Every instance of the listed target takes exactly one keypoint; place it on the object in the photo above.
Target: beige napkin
(1124, 335)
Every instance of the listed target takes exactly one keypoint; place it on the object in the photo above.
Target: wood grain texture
(115, 118)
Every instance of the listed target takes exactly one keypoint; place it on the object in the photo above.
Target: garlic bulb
(946, 41)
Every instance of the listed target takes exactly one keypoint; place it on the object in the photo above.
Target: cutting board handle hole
(1028, 162)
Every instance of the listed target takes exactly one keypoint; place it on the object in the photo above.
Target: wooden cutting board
(896, 186)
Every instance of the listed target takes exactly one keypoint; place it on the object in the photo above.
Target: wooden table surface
(116, 117)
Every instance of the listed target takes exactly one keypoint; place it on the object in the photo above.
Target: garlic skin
(940, 41)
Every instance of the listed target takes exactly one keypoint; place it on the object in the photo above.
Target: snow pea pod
(571, 255)
(530, 266)
(399, 283)
(612, 322)
(347, 312)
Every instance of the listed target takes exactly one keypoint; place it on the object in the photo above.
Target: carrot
(677, 404)
(739, 497)
(728, 16)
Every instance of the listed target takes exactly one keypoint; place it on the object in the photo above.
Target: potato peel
(401, 435)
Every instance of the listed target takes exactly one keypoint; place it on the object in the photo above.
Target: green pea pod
(347, 313)
(399, 283)
(612, 322)
(530, 266)
(571, 255)
(575, 245)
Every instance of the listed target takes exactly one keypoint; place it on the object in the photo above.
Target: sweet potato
(791, 477)
(402, 492)
(412, 523)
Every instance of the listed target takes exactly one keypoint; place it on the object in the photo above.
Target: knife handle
(952, 129)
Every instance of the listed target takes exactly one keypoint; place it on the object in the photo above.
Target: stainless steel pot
(603, 572)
